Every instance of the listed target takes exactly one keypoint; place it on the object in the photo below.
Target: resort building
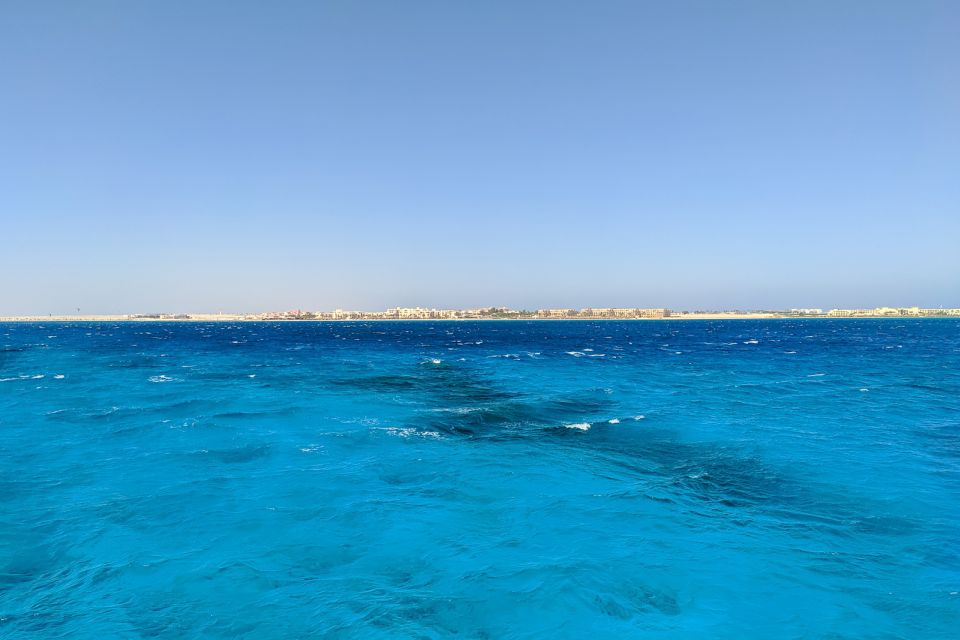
(417, 313)
(887, 312)
(557, 313)
(625, 313)
(652, 313)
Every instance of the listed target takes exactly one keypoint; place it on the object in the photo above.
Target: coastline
(254, 318)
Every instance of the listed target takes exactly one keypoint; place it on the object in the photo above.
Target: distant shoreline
(683, 317)
(495, 313)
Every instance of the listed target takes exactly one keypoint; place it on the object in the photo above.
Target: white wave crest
(408, 432)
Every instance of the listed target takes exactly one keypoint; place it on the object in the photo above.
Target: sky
(236, 156)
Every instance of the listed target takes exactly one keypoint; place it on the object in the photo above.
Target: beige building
(625, 313)
(417, 313)
(556, 313)
(653, 313)
(590, 312)
(891, 312)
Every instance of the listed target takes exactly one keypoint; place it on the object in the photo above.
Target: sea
(481, 479)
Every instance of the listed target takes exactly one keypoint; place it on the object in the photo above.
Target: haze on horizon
(244, 156)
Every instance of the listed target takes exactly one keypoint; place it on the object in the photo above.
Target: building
(415, 313)
(556, 313)
(604, 313)
(652, 313)
(891, 312)
(625, 314)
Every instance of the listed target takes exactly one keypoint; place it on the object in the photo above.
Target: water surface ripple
(662, 479)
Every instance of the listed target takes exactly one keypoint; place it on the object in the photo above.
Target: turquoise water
(740, 479)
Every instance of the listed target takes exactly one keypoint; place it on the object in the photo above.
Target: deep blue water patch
(738, 479)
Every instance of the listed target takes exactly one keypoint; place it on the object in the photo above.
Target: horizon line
(502, 313)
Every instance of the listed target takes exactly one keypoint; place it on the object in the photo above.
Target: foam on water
(339, 480)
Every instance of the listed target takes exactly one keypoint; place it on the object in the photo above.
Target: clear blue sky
(206, 156)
